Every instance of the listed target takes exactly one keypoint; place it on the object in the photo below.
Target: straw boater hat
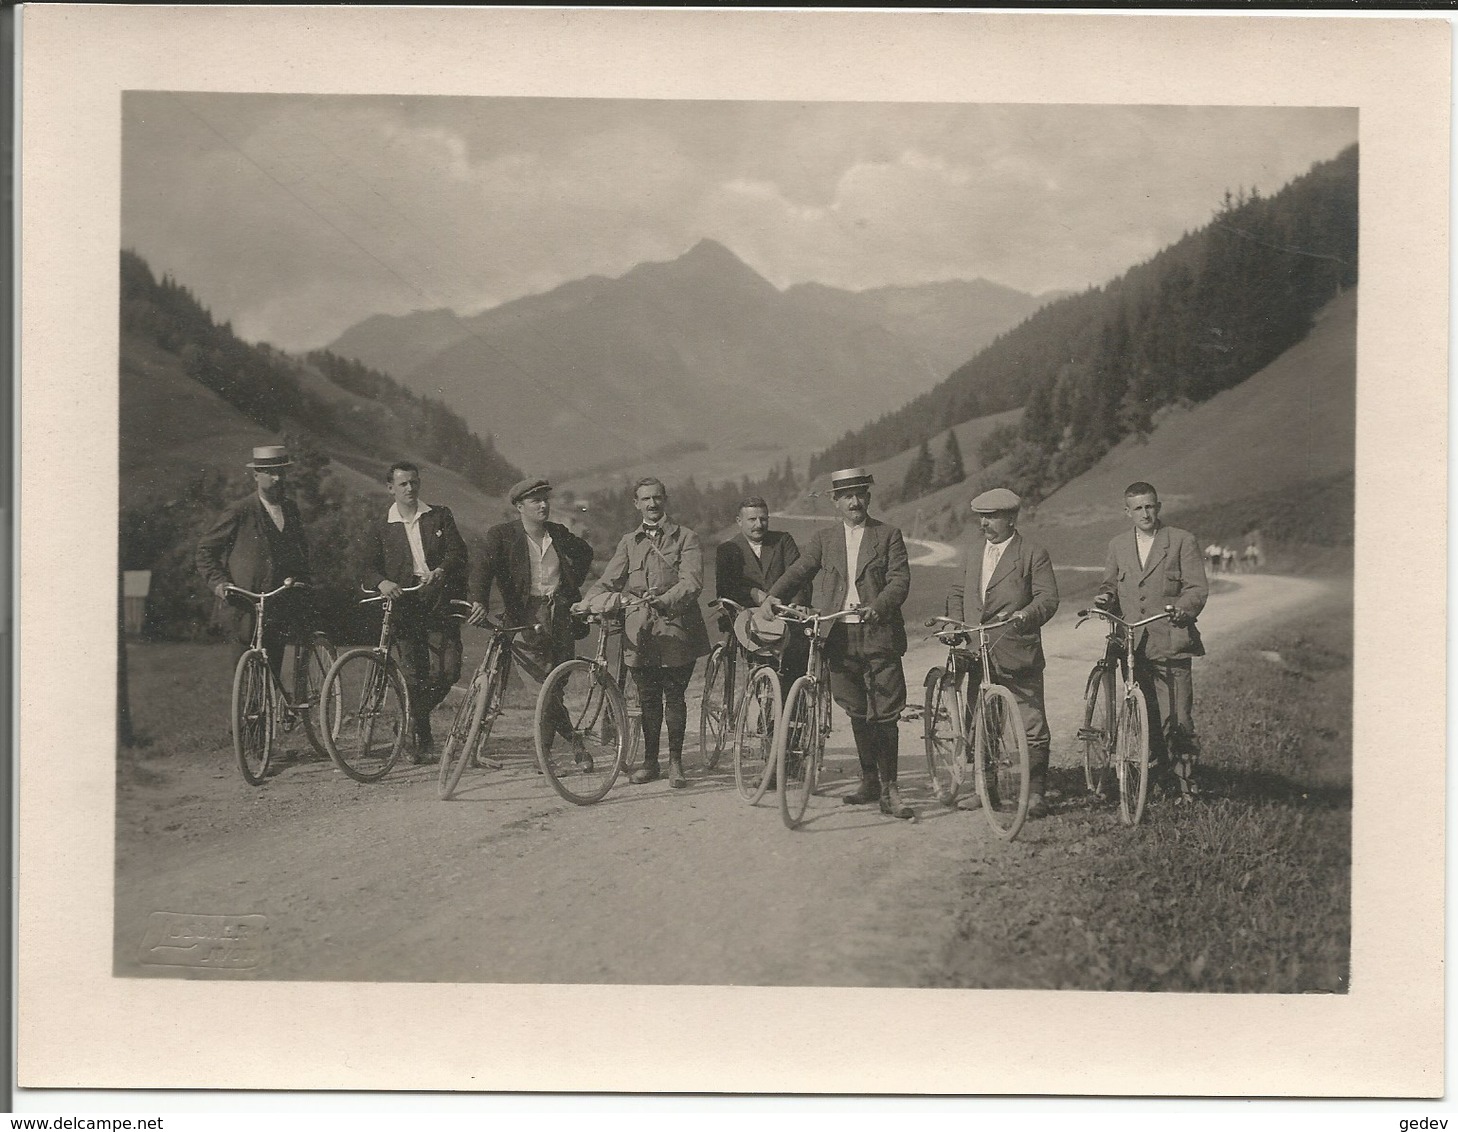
(998, 499)
(758, 633)
(268, 457)
(848, 479)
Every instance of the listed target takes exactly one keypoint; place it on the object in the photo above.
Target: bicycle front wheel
(581, 731)
(946, 745)
(253, 721)
(1096, 737)
(1000, 754)
(754, 742)
(715, 707)
(796, 742)
(375, 714)
(1131, 758)
(312, 663)
(461, 740)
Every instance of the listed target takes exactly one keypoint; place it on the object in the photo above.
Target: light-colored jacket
(673, 569)
(1173, 575)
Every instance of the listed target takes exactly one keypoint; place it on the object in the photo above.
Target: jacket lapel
(755, 570)
(1008, 560)
(870, 537)
(521, 566)
(1157, 552)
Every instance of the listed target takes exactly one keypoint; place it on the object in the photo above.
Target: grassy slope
(1249, 891)
(171, 427)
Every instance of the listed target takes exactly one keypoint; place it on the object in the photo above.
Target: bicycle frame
(816, 667)
(276, 689)
(1122, 633)
(967, 704)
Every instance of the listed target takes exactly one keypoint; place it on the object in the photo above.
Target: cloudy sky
(296, 217)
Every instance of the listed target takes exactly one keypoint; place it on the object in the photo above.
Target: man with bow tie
(1010, 575)
(418, 542)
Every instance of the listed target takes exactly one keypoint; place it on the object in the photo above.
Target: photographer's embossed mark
(182, 939)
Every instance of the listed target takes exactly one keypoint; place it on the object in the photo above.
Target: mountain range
(699, 348)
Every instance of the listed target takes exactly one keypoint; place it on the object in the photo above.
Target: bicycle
(799, 749)
(479, 710)
(588, 692)
(1121, 734)
(261, 708)
(726, 675)
(1001, 768)
(370, 684)
(757, 722)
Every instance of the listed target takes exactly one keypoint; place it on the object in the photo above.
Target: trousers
(661, 691)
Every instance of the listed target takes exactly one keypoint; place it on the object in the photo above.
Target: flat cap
(998, 499)
(848, 479)
(526, 488)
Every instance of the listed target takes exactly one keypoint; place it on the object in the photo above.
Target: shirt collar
(666, 527)
(395, 517)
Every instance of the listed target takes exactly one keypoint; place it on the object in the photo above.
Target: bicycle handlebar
(288, 584)
(809, 616)
(1114, 619)
(963, 627)
(629, 601)
(729, 605)
(490, 624)
(382, 597)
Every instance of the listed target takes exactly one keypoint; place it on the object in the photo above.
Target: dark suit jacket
(386, 552)
(737, 569)
(1023, 580)
(1173, 575)
(504, 562)
(882, 573)
(236, 548)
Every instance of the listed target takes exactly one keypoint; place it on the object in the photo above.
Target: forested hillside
(277, 390)
(1199, 317)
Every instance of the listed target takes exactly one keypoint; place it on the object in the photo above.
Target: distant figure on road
(860, 564)
(1214, 553)
(1228, 559)
(539, 567)
(1011, 575)
(1148, 568)
(747, 566)
(1252, 558)
(661, 645)
(256, 544)
(418, 542)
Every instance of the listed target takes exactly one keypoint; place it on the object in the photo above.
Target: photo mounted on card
(446, 409)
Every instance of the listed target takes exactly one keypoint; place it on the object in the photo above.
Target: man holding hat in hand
(539, 567)
(1010, 575)
(860, 564)
(257, 544)
(417, 541)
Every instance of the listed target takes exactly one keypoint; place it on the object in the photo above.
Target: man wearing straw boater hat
(1010, 575)
(256, 544)
(860, 564)
(418, 542)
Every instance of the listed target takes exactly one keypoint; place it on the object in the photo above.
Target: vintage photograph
(736, 542)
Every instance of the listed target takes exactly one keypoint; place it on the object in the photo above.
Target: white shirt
(1144, 543)
(852, 556)
(757, 547)
(275, 512)
(546, 567)
(412, 534)
(990, 558)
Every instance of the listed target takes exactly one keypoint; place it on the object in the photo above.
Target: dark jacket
(882, 573)
(386, 552)
(238, 548)
(503, 561)
(737, 569)
(1173, 575)
(1023, 580)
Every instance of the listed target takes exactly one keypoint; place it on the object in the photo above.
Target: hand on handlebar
(1178, 617)
(477, 616)
(870, 615)
(389, 589)
(1103, 601)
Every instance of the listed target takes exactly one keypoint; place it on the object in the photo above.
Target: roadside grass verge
(1249, 891)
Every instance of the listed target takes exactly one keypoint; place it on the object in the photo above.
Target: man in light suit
(1148, 568)
(865, 650)
(1009, 574)
(416, 541)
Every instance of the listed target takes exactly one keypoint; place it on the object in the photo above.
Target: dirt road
(510, 884)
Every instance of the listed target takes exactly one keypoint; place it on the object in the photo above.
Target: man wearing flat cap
(860, 564)
(419, 542)
(256, 544)
(538, 567)
(1010, 575)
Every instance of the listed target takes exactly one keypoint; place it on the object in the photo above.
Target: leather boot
(677, 780)
(870, 788)
(888, 742)
(1037, 782)
(891, 803)
(648, 772)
